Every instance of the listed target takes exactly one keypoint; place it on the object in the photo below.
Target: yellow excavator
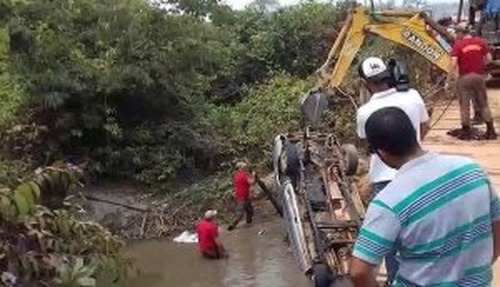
(414, 30)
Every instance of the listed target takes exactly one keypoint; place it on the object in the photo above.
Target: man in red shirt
(208, 233)
(242, 183)
(469, 56)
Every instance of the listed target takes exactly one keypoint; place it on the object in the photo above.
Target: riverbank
(135, 212)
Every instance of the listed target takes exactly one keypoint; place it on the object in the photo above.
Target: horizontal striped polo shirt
(438, 214)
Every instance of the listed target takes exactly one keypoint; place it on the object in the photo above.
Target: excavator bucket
(313, 104)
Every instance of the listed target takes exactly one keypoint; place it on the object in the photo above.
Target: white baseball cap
(372, 67)
(209, 214)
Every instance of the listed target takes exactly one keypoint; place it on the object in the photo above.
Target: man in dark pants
(242, 183)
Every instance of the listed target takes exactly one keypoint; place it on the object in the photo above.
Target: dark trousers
(217, 253)
(472, 87)
(391, 264)
(243, 208)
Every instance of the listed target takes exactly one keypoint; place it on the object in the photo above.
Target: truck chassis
(322, 209)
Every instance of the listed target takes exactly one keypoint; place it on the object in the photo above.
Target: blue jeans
(391, 264)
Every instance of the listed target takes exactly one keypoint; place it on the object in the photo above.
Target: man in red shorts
(242, 183)
(208, 233)
(470, 56)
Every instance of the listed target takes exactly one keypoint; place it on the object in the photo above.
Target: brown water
(255, 260)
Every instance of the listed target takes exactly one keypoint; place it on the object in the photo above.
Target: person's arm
(495, 218)
(362, 273)
(362, 143)
(455, 51)
(375, 240)
(454, 67)
(488, 58)
(424, 118)
(251, 178)
(496, 240)
(219, 244)
(424, 129)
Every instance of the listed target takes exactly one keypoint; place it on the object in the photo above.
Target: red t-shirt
(471, 52)
(242, 186)
(207, 233)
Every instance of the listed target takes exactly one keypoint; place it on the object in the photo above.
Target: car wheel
(322, 276)
(350, 159)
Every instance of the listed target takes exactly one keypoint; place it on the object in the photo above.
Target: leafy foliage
(44, 247)
(11, 94)
(144, 103)
(266, 110)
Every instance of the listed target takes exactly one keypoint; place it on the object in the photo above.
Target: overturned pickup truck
(322, 209)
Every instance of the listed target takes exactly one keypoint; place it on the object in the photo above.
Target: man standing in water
(208, 233)
(439, 212)
(242, 184)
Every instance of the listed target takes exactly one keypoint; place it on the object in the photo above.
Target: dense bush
(137, 90)
(51, 247)
(265, 111)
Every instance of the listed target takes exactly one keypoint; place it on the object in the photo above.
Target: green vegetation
(50, 247)
(163, 94)
(159, 95)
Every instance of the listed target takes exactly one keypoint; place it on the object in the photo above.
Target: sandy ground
(487, 153)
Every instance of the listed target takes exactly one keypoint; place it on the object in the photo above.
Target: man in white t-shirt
(376, 78)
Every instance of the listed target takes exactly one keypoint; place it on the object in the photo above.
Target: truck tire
(322, 276)
(350, 159)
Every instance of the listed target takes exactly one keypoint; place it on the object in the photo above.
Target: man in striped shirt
(440, 213)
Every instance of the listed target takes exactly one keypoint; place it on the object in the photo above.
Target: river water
(258, 258)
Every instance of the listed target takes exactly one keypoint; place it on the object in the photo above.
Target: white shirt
(409, 101)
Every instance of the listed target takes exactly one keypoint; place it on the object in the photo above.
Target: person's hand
(450, 84)
(451, 78)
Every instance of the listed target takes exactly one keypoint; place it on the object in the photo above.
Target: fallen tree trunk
(269, 195)
(131, 207)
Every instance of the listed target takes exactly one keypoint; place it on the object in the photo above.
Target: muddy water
(258, 258)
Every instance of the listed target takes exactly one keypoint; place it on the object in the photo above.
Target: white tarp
(187, 237)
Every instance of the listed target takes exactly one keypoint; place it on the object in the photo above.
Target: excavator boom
(409, 29)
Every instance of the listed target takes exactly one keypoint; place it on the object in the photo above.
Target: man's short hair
(210, 214)
(391, 130)
(241, 164)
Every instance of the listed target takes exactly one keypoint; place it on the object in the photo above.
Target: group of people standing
(434, 219)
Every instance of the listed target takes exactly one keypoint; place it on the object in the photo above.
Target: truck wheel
(350, 159)
(322, 276)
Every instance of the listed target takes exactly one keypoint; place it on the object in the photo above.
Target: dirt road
(487, 152)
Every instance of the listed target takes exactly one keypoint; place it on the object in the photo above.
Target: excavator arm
(409, 29)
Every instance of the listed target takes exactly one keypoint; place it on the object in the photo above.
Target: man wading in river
(208, 233)
(242, 184)
(439, 212)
